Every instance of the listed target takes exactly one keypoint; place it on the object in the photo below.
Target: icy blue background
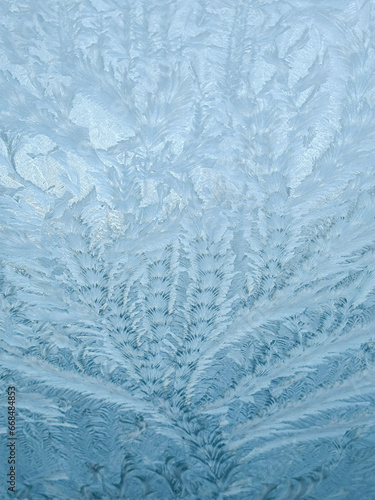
(187, 247)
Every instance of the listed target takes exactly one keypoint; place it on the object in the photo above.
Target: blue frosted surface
(187, 243)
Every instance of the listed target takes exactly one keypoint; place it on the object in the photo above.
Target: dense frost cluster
(187, 225)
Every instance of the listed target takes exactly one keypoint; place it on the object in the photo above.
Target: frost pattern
(187, 246)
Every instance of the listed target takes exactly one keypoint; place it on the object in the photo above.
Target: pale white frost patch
(104, 129)
(149, 192)
(81, 168)
(173, 201)
(35, 164)
(214, 186)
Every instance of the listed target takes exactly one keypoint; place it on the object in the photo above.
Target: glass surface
(187, 249)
